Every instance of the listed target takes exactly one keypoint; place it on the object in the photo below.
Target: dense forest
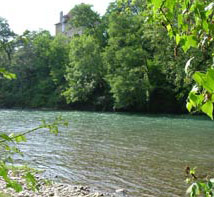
(123, 61)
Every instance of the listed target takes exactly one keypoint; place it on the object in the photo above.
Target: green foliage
(59, 58)
(190, 23)
(6, 39)
(38, 72)
(5, 31)
(118, 62)
(82, 15)
(84, 71)
(125, 60)
(7, 74)
(5, 145)
(202, 99)
(31, 181)
(131, 6)
(201, 187)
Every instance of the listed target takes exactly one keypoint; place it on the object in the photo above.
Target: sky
(41, 14)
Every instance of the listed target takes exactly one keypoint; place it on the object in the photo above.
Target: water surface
(145, 154)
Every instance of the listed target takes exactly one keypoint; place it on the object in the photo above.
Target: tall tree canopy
(125, 60)
(84, 71)
(6, 39)
(82, 15)
(191, 24)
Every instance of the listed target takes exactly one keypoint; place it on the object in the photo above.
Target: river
(145, 154)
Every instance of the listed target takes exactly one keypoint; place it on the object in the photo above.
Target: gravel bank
(53, 189)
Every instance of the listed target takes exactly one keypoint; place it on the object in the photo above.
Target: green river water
(145, 154)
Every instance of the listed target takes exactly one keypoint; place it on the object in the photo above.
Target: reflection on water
(143, 153)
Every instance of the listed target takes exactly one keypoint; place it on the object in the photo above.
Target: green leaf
(170, 4)
(203, 186)
(15, 185)
(177, 38)
(185, 45)
(15, 150)
(207, 108)
(189, 106)
(209, 184)
(3, 172)
(185, 4)
(31, 181)
(205, 26)
(199, 78)
(20, 138)
(5, 137)
(191, 41)
(210, 79)
(169, 29)
(212, 98)
(157, 3)
(180, 20)
(7, 74)
(193, 99)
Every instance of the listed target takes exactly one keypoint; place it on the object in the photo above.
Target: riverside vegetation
(191, 25)
(118, 63)
(8, 147)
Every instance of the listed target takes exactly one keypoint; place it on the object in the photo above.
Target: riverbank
(47, 188)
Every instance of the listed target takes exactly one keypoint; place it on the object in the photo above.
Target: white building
(64, 27)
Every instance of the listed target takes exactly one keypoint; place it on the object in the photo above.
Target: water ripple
(144, 154)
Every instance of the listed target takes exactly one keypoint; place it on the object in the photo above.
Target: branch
(22, 134)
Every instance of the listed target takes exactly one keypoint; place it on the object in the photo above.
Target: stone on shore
(48, 190)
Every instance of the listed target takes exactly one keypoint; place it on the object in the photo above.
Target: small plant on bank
(8, 147)
(199, 186)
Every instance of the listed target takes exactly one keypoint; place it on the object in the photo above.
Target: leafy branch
(5, 144)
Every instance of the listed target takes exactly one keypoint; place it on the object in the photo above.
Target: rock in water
(121, 191)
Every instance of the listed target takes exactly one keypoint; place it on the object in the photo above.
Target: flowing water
(144, 154)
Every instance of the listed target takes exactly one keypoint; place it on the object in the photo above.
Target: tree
(34, 86)
(58, 58)
(59, 54)
(6, 39)
(126, 62)
(85, 70)
(82, 15)
(193, 27)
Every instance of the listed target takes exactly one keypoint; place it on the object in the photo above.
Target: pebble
(52, 190)
(120, 191)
